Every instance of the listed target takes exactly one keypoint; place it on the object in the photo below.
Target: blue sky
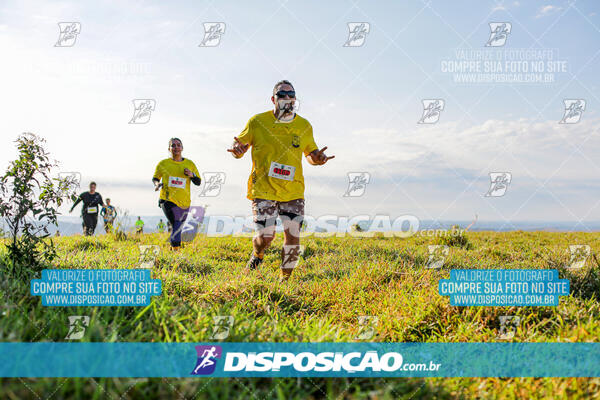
(363, 102)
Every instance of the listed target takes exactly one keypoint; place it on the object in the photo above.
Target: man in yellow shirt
(278, 138)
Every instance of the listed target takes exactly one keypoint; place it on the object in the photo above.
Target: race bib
(282, 171)
(92, 210)
(177, 182)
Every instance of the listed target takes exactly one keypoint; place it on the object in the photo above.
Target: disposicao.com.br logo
(207, 359)
(306, 363)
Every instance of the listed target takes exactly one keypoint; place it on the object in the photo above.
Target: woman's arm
(192, 175)
(158, 173)
(156, 183)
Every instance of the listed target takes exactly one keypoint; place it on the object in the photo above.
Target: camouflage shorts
(266, 211)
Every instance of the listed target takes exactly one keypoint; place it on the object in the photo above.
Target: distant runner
(139, 226)
(173, 177)
(90, 209)
(161, 226)
(278, 138)
(108, 213)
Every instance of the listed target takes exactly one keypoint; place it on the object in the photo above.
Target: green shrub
(29, 199)
(455, 238)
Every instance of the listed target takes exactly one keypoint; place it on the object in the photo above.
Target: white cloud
(547, 10)
(504, 7)
(536, 144)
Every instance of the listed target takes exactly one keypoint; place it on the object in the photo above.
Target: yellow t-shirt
(277, 149)
(176, 185)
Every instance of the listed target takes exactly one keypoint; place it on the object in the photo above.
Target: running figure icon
(207, 358)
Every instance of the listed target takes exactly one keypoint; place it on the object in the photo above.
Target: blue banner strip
(300, 359)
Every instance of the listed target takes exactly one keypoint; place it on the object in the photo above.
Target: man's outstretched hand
(318, 157)
(238, 148)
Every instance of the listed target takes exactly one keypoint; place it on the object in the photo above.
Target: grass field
(336, 281)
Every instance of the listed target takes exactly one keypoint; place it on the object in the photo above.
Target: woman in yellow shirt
(173, 177)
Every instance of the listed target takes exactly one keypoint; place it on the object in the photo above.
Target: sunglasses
(283, 93)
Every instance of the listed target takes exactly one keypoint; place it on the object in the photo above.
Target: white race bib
(282, 171)
(92, 210)
(176, 182)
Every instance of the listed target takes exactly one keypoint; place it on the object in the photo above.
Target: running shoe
(284, 274)
(253, 262)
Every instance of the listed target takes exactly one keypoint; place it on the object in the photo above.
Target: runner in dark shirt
(92, 201)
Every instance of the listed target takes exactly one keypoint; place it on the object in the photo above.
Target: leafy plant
(455, 238)
(120, 224)
(29, 199)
